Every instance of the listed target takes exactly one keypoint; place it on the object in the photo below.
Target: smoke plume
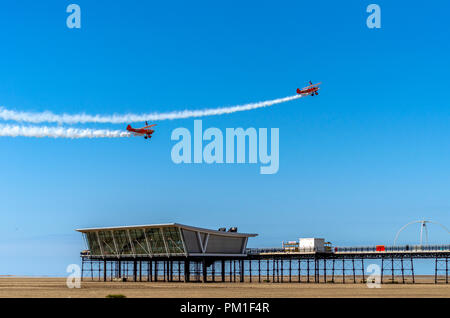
(58, 132)
(83, 118)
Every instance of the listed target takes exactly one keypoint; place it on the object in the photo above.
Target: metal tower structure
(423, 229)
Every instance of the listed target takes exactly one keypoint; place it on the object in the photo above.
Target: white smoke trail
(58, 132)
(50, 117)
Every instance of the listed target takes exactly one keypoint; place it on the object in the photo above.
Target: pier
(273, 265)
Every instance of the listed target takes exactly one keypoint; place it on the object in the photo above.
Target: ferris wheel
(423, 229)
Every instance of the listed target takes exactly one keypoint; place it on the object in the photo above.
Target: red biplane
(312, 89)
(144, 131)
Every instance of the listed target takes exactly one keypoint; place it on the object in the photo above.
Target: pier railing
(254, 251)
(353, 249)
(398, 248)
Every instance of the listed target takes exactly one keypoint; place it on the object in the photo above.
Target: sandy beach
(56, 287)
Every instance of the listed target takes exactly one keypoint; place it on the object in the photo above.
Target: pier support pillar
(104, 270)
(403, 270)
(187, 272)
(222, 267)
(332, 271)
(307, 270)
(392, 269)
(290, 270)
(259, 270)
(343, 270)
(149, 271)
(446, 270)
(362, 270)
(213, 271)
(273, 271)
(354, 274)
(436, 270)
(204, 270)
(281, 270)
(316, 271)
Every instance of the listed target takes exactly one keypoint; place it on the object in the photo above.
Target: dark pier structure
(180, 253)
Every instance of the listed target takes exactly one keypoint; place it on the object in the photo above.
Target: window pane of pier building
(155, 240)
(93, 243)
(123, 242)
(106, 239)
(173, 240)
(139, 242)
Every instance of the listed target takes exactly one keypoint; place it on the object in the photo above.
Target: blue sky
(364, 158)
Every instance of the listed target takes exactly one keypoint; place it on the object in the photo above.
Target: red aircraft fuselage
(146, 132)
(309, 90)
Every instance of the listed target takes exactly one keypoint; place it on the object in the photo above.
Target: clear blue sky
(368, 155)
